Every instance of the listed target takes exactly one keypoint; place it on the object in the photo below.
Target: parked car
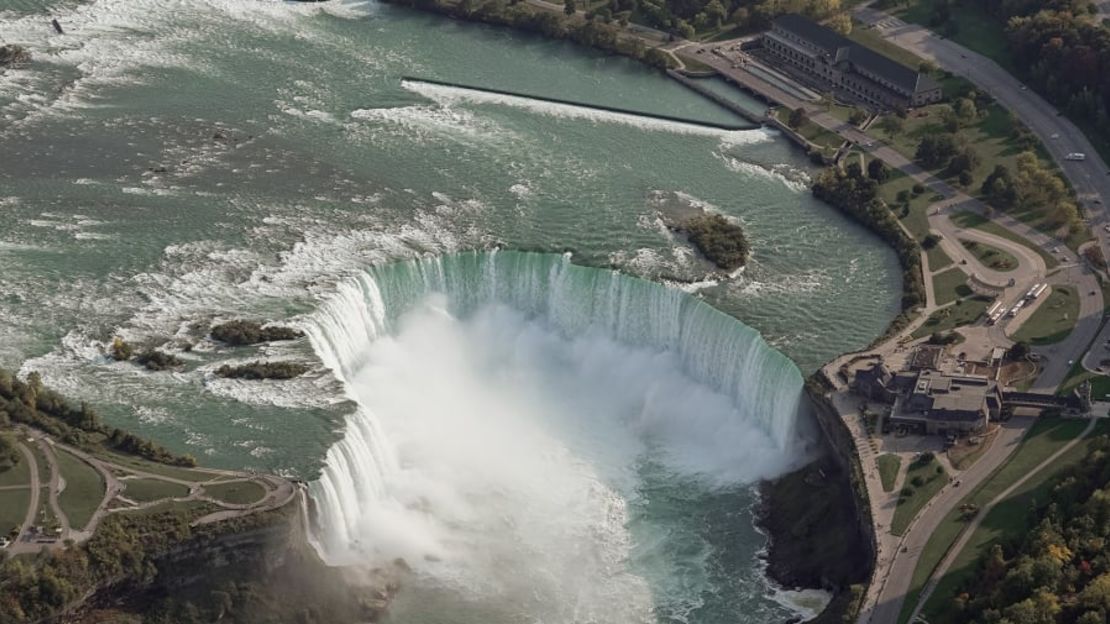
(1076, 156)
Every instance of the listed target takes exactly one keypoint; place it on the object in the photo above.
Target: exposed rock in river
(12, 55)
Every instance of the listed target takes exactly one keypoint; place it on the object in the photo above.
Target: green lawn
(145, 490)
(13, 508)
(916, 218)
(888, 470)
(19, 474)
(950, 285)
(966, 219)
(239, 492)
(1044, 438)
(1006, 520)
(991, 257)
(83, 492)
(937, 258)
(933, 478)
(1053, 320)
(964, 312)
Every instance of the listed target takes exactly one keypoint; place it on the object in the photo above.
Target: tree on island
(570, 7)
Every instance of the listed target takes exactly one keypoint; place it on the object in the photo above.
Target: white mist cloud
(514, 451)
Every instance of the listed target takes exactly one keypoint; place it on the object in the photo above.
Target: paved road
(965, 536)
(1090, 177)
(900, 571)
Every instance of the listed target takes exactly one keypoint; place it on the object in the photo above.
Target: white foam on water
(448, 97)
(793, 179)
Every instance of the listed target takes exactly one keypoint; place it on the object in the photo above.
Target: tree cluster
(33, 404)
(856, 195)
(1059, 571)
(1033, 188)
(241, 332)
(9, 454)
(718, 239)
(124, 551)
(1056, 48)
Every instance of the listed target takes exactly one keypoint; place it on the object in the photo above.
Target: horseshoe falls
(529, 433)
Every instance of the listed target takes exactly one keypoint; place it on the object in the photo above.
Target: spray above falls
(514, 411)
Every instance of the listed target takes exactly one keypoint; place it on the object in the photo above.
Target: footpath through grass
(888, 470)
(924, 478)
(83, 492)
(1044, 438)
(1008, 520)
(1053, 320)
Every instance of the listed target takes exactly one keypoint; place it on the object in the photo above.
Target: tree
(967, 112)
(1019, 351)
(857, 117)
(877, 171)
(935, 150)
(890, 125)
(797, 118)
(570, 6)
(841, 23)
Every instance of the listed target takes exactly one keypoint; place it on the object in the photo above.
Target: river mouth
(551, 442)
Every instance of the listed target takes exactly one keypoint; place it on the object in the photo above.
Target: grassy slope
(13, 508)
(990, 256)
(83, 492)
(18, 475)
(888, 470)
(1045, 438)
(946, 285)
(964, 312)
(240, 492)
(909, 507)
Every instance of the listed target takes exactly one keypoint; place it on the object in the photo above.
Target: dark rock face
(12, 55)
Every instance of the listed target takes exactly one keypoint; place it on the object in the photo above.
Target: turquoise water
(171, 163)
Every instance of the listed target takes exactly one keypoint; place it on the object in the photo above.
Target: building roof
(839, 48)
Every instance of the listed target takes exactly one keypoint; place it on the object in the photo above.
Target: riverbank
(816, 537)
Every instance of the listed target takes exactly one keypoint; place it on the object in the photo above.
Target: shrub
(918, 481)
(120, 350)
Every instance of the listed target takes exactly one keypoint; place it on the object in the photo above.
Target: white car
(1076, 156)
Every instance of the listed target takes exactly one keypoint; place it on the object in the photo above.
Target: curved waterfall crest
(713, 348)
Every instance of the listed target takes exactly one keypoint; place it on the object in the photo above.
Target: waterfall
(711, 347)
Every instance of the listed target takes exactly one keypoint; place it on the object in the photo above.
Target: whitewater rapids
(524, 424)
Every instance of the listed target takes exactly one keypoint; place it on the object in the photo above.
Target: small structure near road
(842, 64)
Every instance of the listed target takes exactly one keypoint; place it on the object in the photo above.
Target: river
(170, 163)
